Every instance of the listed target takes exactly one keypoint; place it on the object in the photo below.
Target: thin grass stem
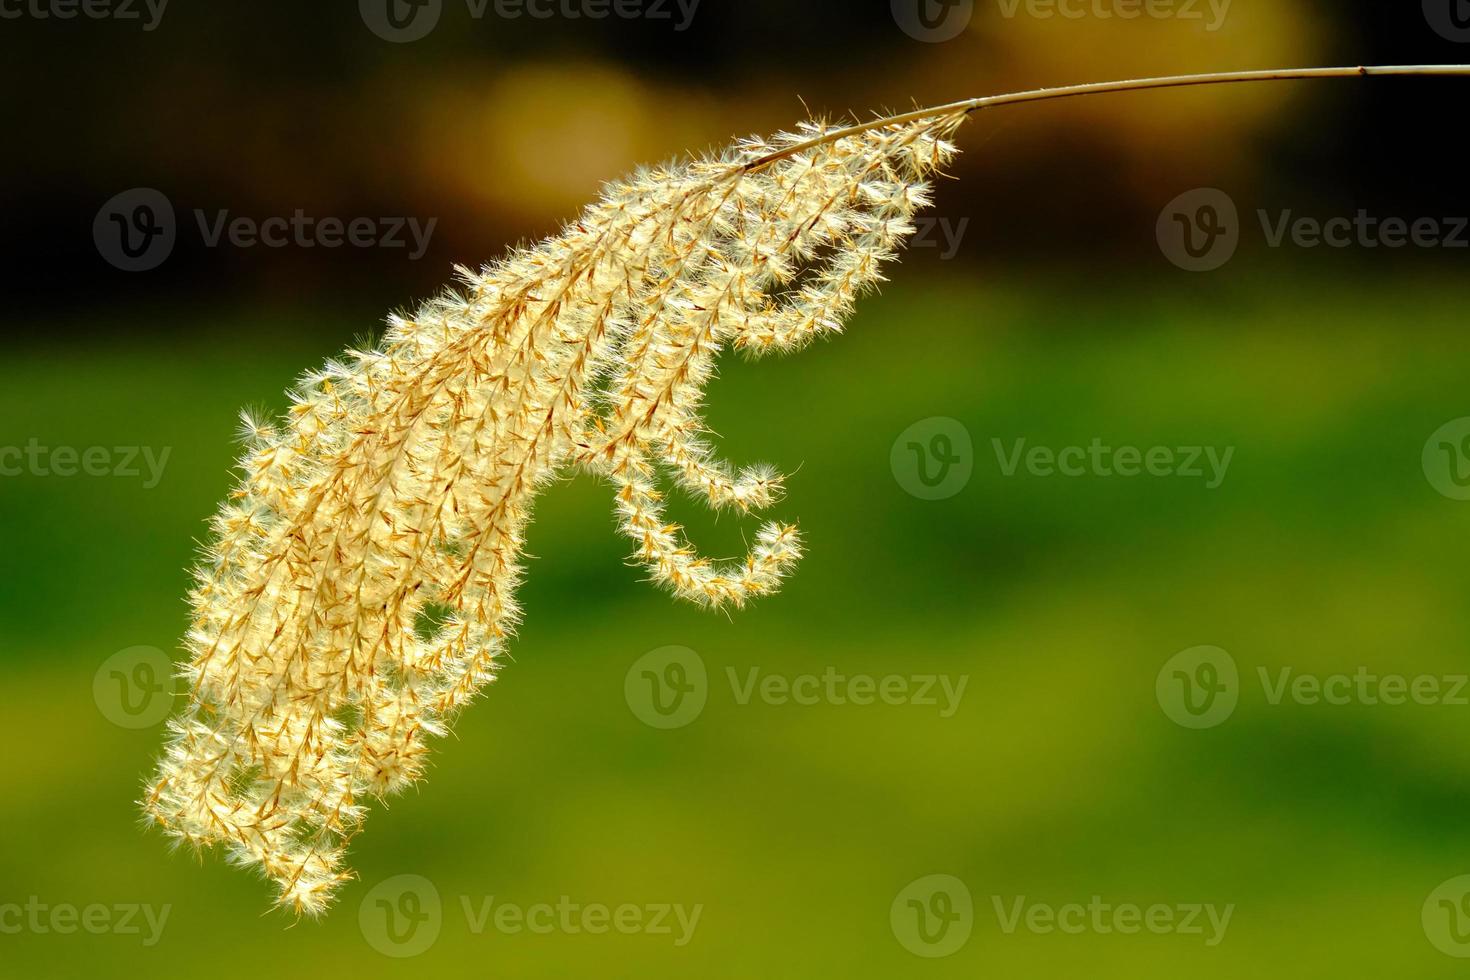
(1107, 88)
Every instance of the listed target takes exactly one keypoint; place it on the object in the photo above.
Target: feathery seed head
(360, 583)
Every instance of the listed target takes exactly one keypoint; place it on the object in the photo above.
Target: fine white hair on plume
(358, 587)
(359, 584)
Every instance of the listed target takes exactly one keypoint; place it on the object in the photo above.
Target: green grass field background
(1059, 778)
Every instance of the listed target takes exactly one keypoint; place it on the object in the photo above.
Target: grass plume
(359, 584)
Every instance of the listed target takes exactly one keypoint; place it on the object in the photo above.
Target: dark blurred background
(501, 128)
(1047, 303)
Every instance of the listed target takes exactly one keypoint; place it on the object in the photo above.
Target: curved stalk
(1106, 88)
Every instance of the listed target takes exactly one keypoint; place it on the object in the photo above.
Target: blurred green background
(795, 828)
